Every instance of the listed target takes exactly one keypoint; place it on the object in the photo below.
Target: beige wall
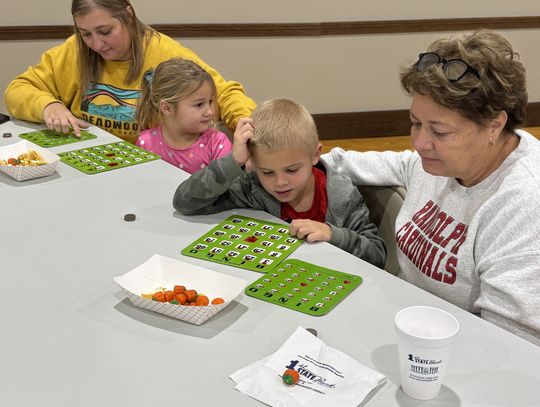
(246, 11)
(337, 74)
(327, 74)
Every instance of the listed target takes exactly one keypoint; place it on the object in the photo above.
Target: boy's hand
(242, 134)
(57, 117)
(310, 230)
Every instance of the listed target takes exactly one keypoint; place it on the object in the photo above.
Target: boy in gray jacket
(281, 143)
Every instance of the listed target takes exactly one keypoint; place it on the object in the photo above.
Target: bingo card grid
(107, 157)
(304, 287)
(245, 242)
(49, 138)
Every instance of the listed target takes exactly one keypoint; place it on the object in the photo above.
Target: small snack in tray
(202, 300)
(191, 295)
(24, 161)
(160, 295)
(180, 299)
(164, 273)
(28, 159)
(181, 296)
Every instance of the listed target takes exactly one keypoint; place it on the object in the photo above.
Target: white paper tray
(160, 271)
(21, 172)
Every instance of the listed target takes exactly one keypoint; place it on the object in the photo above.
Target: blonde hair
(171, 81)
(501, 86)
(283, 123)
(90, 62)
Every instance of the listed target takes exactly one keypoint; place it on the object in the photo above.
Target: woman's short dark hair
(501, 85)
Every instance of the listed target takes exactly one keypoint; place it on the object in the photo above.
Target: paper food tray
(22, 173)
(160, 271)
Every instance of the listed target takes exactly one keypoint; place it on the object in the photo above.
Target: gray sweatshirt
(476, 247)
(223, 185)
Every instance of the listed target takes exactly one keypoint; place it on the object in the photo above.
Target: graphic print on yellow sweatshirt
(112, 109)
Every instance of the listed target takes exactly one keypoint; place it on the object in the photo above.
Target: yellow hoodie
(111, 103)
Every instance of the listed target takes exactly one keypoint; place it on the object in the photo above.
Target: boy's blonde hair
(171, 81)
(283, 123)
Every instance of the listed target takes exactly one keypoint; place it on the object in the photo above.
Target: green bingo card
(246, 243)
(107, 157)
(49, 138)
(304, 287)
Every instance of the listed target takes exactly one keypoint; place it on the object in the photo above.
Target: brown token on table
(6, 135)
(130, 217)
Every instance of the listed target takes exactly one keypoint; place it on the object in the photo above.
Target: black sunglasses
(454, 69)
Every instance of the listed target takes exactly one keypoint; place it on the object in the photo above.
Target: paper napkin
(327, 376)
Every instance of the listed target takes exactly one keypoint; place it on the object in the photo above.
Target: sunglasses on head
(454, 69)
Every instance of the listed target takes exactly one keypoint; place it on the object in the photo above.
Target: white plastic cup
(425, 336)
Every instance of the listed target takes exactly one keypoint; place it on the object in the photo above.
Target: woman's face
(449, 144)
(104, 34)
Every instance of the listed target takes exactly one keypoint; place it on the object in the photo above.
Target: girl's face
(195, 114)
(449, 144)
(104, 34)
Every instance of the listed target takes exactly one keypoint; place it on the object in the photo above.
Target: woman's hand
(242, 134)
(57, 117)
(310, 230)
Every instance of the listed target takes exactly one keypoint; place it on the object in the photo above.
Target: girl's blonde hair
(501, 85)
(90, 62)
(283, 123)
(171, 81)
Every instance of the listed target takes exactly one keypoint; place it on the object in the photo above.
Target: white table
(70, 337)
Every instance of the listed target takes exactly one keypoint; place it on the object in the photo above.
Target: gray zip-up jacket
(223, 185)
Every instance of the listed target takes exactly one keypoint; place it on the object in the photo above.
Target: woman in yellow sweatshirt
(94, 76)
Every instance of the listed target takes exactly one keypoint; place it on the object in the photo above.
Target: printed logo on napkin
(327, 375)
(306, 369)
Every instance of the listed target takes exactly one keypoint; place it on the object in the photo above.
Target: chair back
(384, 204)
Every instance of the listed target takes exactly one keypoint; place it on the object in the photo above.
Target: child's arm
(222, 185)
(242, 134)
(207, 190)
(358, 236)
(310, 230)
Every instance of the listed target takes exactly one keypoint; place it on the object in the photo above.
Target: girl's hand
(242, 134)
(57, 117)
(310, 230)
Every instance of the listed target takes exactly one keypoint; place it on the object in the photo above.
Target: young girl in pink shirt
(176, 113)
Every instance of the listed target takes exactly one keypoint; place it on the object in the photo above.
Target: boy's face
(285, 173)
